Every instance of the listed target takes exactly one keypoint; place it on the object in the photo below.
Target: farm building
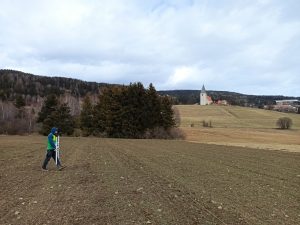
(288, 102)
(287, 105)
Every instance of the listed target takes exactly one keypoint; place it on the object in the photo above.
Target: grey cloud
(246, 46)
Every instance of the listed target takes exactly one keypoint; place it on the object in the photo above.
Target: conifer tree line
(121, 112)
(127, 112)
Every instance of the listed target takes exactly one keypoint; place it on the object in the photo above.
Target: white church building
(204, 98)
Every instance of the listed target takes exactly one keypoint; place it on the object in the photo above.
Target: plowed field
(114, 181)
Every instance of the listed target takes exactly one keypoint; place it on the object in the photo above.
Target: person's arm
(50, 139)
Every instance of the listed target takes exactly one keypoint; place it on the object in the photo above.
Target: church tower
(203, 96)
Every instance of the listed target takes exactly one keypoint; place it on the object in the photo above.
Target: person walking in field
(51, 149)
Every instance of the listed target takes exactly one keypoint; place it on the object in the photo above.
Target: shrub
(284, 123)
(78, 132)
(161, 133)
(177, 133)
(206, 124)
(14, 127)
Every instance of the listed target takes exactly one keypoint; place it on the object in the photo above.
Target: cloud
(186, 76)
(181, 75)
(249, 46)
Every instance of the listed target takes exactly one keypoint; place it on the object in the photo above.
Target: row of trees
(121, 111)
(127, 112)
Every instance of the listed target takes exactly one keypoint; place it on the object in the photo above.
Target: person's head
(54, 130)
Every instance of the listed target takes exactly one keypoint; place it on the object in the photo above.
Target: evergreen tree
(65, 121)
(50, 105)
(114, 116)
(87, 117)
(20, 103)
(60, 118)
(167, 113)
(152, 108)
(48, 123)
(108, 112)
(135, 109)
(53, 114)
(101, 111)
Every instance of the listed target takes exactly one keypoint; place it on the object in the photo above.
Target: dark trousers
(50, 154)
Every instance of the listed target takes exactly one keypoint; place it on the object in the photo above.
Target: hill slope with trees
(188, 97)
(14, 83)
(96, 108)
(22, 98)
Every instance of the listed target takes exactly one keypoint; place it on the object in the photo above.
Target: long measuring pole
(57, 151)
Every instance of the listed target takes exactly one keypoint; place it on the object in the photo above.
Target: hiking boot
(44, 169)
(60, 167)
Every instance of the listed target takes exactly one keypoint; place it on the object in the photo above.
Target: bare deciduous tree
(284, 123)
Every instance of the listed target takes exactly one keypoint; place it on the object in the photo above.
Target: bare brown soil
(111, 181)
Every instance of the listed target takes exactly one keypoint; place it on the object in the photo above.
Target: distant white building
(287, 105)
(288, 102)
(204, 98)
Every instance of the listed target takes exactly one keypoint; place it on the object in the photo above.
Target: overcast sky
(246, 46)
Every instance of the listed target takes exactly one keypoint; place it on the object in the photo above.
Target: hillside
(232, 116)
(239, 126)
(192, 97)
(32, 89)
(13, 83)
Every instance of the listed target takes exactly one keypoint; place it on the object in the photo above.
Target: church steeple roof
(203, 89)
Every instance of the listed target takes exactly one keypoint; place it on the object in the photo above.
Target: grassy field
(233, 116)
(239, 126)
(119, 181)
